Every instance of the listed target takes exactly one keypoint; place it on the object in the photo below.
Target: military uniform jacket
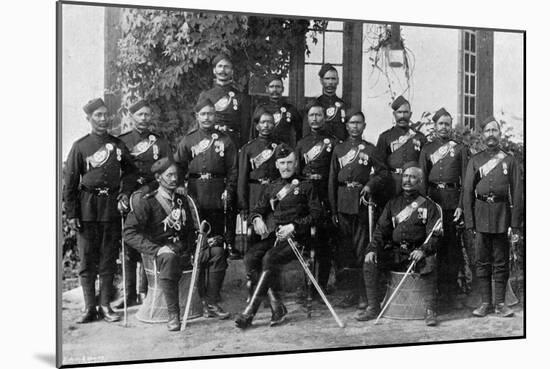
(503, 182)
(314, 153)
(444, 163)
(413, 229)
(300, 206)
(256, 168)
(211, 155)
(335, 115)
(153, 225)
(288, 122)
(98, 169)
(145, 148)
(355, 163)
(398, 146)
(232, 110)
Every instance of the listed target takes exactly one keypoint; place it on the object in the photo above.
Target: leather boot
(371, 312)
(214, 311)
(108, 314)
(251, 281)
(105, 289)
(90, 312)
(430, 318)
(483, 309)
(503, 310)
(278, 309)
(174, 323)
(214, 286)
(244, 320)
(500, 291)
(171, 293)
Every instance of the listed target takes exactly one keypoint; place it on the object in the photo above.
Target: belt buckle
(404, 245)
(491, 199)
(263, 181)
(352, 184)
(141, 180)
(440, 185)
(103, 191)
(398, 171)
(316, 177)
(205, 176)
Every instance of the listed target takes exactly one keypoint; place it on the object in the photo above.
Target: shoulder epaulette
(150, 194)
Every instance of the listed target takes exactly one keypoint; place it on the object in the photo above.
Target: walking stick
(312, 278)
(203, 231)
(123, 258)
(395, 291)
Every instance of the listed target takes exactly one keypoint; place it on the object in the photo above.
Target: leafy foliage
(165, 56)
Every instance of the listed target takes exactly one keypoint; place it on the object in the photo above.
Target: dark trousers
(132, 258)
(449, 257)
(98, 249)
(170, 267)
(263, 256)
(492, 262)
(353, 236)
(376, 275)
(213, 260)
(323, 253)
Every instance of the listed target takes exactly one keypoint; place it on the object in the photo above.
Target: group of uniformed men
(363, 209)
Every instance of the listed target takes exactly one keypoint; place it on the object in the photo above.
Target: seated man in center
(408, 230)
(286, 209)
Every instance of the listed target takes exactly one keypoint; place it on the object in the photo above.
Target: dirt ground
(103, 342)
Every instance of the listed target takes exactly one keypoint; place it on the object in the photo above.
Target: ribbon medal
(330, 112)
(504, 169)
(155, 152)
(277, 117)
(118, 154)
(326, 141)
(295, 182)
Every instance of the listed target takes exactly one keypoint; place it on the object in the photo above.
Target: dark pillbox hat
(325, 68)
(400, 100)
(489, 120)
(138, 105)
(202, 103)
(438, 114)
(218, 58)
(282, 151)
(161, 165)
(93, 105)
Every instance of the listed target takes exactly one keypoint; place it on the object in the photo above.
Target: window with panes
(328, 49)
(469, 75)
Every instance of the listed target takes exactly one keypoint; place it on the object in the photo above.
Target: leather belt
(443, 185)
(205, 176)
(491, 198)
(261, 181)
(351, 184)
(100, 191)
(223, 128)
(144, 180)
(314, 177)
